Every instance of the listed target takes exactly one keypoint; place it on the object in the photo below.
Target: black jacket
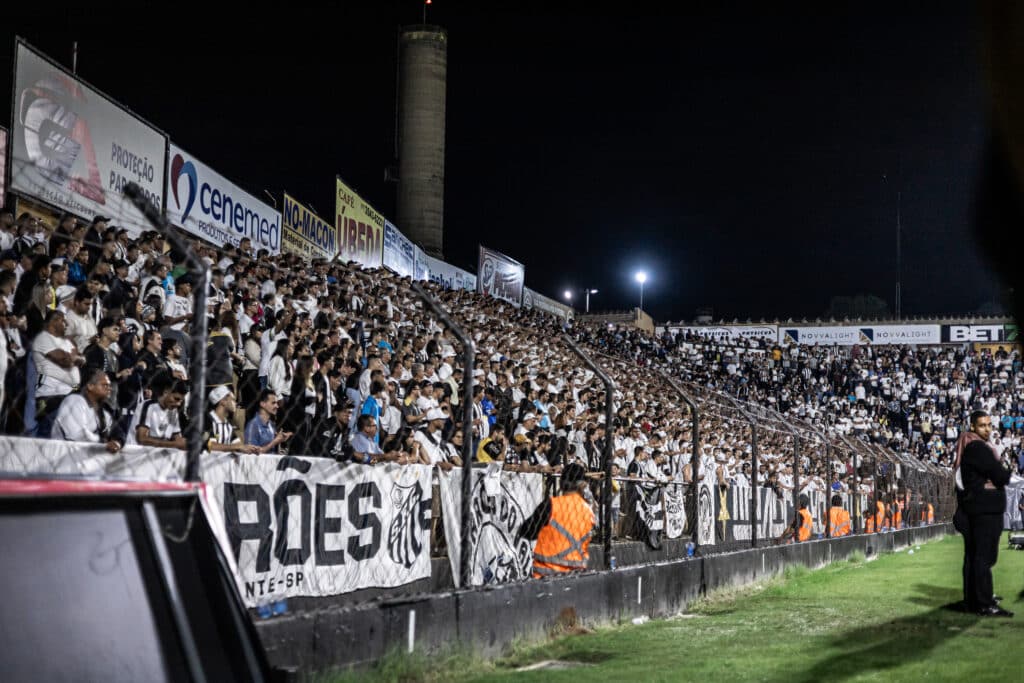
(978, 465)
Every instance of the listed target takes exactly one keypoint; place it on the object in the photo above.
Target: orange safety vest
(562, 543)
(928, 513)
(839, 521)
(880, 515)
(806, 523)
(898, 521)
(869, 524)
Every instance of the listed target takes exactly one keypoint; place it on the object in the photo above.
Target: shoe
(994, 611)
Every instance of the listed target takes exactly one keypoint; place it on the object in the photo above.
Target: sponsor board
(447, 275)
(535, 300)
(729, 332)
(500, 276)
(360, 227)
(206, 204)
(74, 148)
(399, 251)
(963, 334)
(306, 234)
(852, 335)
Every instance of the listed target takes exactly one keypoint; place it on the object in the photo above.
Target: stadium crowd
(332, 360)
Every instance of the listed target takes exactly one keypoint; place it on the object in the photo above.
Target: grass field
(876, 620)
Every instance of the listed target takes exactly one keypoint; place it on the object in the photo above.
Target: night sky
(747, 157)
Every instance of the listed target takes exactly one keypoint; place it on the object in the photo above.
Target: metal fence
(312, 522)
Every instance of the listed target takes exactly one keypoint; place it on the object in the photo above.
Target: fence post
(197, 354)
(753, 466)
(606, 458)
(695, 459)
(468, 357)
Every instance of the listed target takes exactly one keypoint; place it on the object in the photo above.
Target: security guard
(838, 518)
(802, 524)
(562, 526)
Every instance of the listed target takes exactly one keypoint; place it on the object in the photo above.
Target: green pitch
(880, 620)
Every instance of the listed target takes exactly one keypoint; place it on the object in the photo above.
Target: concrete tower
(422, 81)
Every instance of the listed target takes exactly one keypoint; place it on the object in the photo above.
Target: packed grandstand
(326, 366)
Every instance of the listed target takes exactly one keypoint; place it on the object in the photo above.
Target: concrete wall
(490, 619)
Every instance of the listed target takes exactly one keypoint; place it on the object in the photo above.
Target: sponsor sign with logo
(306, 234)
(74, 148)
(500, 276)
(208, 205)
(963, 334)
(399, 251)
(447, 275)
(532, 299)
(360, 228)
(850, 335)
(730, 332)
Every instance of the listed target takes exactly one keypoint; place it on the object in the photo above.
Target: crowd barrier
(311, 527)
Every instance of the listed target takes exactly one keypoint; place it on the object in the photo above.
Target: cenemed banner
(74, 148)
(500, 276)
(399, 251)
(306, 234)
(360, 228)
(208, 205)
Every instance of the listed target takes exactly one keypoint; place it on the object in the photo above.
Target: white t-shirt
(176, 307)
(53, 379)
(78, 421)
(162, 424)
(80, 329)
(434, 451)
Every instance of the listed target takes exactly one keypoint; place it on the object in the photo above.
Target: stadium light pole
(586, 301)
(641, 277)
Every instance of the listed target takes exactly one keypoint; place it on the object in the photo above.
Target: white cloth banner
(313, 527)
(295, 526)
(74, 148)
(501, 502)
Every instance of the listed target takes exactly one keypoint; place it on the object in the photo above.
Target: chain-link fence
(360, 435)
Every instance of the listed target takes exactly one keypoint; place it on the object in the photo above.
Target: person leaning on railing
(85, 416)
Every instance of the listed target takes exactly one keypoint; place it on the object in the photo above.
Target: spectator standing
(57, 363)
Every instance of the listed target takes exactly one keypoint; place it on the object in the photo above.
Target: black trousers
(981, 548)
(961, 524)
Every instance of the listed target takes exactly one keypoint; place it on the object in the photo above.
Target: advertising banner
(306, 234)
(730, 332)
(3, 166)
(962, 334)
(208, 205)
(74, 148)
(501, 502)
(399, 252)
(500, 276)
(422, 267)
(447, 275)
(532, 299)
(851, 335)
(360, 228)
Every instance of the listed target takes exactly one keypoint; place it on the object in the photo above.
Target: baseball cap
(529, 416)
(436, 414)
(219, 394)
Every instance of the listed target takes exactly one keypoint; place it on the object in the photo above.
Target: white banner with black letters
(501, 502)
(313, 527)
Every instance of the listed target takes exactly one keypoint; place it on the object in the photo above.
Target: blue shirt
(371, 407)
(362, 444)
(259, 433)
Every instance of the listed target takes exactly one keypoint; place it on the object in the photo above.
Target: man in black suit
(983, 501)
